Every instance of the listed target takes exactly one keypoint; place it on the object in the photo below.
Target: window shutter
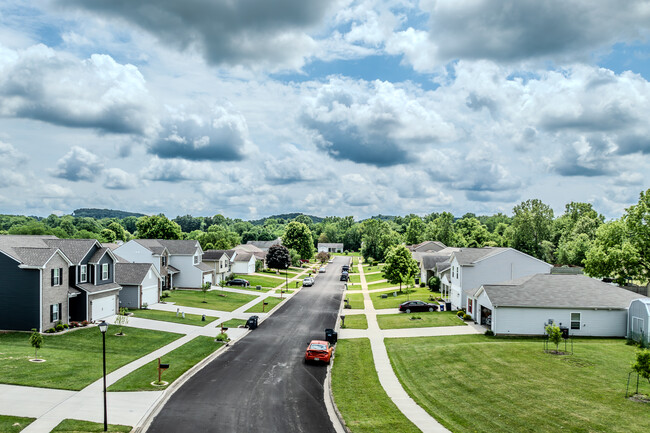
(52, 311)
(60, 312)
(60, 280)
(52, 277)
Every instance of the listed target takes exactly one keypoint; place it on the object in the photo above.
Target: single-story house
(140, 282)
(639, 320)
(524, 306)
(330, 247)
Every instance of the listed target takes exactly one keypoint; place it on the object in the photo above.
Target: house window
(105, 271)
(469, 305)
(163, 260)
(56, 277)
(55, 312)
(83, 273)
(575, 320)
(196, 260)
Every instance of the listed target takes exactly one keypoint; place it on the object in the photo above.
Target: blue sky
(346, 107)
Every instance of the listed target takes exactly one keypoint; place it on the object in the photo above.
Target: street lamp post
(103, 327)
(286, 279)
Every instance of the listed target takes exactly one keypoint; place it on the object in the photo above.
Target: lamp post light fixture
(103, 327)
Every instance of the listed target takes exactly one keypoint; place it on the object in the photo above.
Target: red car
(318, 350)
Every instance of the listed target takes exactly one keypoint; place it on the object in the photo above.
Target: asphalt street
(261, 383)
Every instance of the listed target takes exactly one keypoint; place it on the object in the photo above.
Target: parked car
(238, 282)
(409, 306)
(321, 270)
(318, 351)
(345, 268)
(344, 276)
(330, 261)
(308, 282)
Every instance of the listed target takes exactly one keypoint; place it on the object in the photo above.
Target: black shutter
(60, 281)
(52, 278)
(52, 311)
(60, 311)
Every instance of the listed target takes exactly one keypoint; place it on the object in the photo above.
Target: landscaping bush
(422, 284)
(51, 331)
(467, 317)
(145, 306)
(59, 327)
(489, 333)
(434, 283)
(460, 313)
(166, 294)
(74, 324)
(222, 337)
(65, 326)
(84, 323)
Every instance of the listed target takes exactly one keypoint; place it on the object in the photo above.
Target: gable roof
(152, 245)
(204, 267)
(470, 256)
(557, 291)
(243, 256)
(30, 251)
(214, 254)
(427, 246)
(186, 247)
(265, 245)
(75, 249)
(132, 273)
(330, 245)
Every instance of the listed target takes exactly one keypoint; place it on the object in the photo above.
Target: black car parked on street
(410, 306)
(238, 282)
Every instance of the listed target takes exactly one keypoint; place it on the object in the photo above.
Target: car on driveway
(410, 306)
(318, 351)
(238, 282)
(308, 282)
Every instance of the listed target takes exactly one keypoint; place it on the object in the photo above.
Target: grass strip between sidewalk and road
(74, 359)
(168, 316)
(418, 293)
(234, 323)
(473, 383)
(356, 300)
(356, 321)
(257, 308)
(77, 426)
(425, 320)
(180, 360)
(215, 299)
(363, 403)
(14, 424)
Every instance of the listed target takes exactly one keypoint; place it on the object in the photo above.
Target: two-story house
(221, 262)
(471, 268)
(179, 262)
(44, 280)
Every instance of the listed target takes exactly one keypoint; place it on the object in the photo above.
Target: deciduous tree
(298, 237)
(157, 227)
(278, 257)
(400, 266)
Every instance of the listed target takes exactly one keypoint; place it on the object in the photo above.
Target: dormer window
(196, 260)
(105, 271)
(163, 260)
(83, 273)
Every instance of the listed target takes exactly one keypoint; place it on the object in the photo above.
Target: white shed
(639, 319)
(586, 306)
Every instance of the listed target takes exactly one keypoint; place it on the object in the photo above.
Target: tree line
(580, 236)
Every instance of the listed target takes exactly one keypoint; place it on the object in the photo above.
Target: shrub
(145, 305)
(222, 337)
(84, 323)
(258, 287)
(65, 326)
(460, 313)
(467, 317)
(51, 331)
(59, 327)
(166, 294)
(489, 333)
(434, 283)
(74, 324)
(346, 252)
(422, 284)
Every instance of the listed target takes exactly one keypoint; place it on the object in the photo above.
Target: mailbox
(164, 366)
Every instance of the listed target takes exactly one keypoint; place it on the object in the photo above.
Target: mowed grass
(354, 278)
(14, 424)
(234, 323)
(356, 300)
(426, 320)
(374, 268)
(371, 278)
(359, 396)
(77, 426)
(356, 321)
(168, 316)
(384, 285)
(180, 360)
(214, 300)
(257, 308)
(473, 383)
(257, 280)
(74, 359)
(418, 293)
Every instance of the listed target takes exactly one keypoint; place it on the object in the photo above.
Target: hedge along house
(588, 307)
(639, 320)
(141, 284)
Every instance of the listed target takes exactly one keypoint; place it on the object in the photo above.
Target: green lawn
(256, 280)
(473, 383)
(257, 308)
(356, 321)
(374, 277)
(193, 298)
(234, 323)
(358, 394)
(168, 316)
(354, 278)
(354, 287)
(180, 360)
(373, 268)
(14, 424)
(76, 426)
(421, 293)
(375, 286)
(74, 359)
(290, 271)
(356, 300)
(403, 320)
(349, 254)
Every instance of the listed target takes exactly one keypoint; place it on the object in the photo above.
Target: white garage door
(150, 295)
(103, 307)
(207, 278)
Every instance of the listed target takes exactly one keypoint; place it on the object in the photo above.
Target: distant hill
(285, 216)
(381, 217)
(105, 213)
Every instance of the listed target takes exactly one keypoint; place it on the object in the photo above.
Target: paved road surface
(261, 383)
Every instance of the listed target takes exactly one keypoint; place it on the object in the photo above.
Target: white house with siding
(524, 306)
(472, 267)
(243, 263)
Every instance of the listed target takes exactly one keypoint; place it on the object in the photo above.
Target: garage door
(207, 278)
(103, 307)
(150, 295)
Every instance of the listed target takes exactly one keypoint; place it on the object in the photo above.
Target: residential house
(265, 245)
(46, 280)
(141, 284)
(179, 262)
(472, 267)
(329, 247)
(524, 306)
(221, 262)
(427, 247)
(243, 263)
(257, 252)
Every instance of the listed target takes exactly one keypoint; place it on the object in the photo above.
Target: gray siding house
(140, 283)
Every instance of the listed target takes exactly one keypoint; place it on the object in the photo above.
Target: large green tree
(400, 266)
(532, 223)
(297, 236)
(377, 238)
(157, 227)
(415, 231)
(278, 257)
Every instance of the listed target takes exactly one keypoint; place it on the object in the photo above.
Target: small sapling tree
(36, 340)
(554, 334)
(122, 319)
(642, 364)
(323, 257)
(204, 288)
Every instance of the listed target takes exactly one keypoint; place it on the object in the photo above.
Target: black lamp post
(103, 327)
(286, 279)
